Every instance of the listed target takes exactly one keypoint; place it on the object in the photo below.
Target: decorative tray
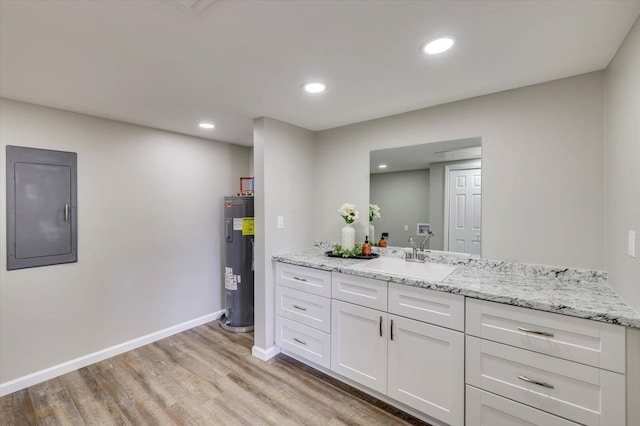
(371, 256)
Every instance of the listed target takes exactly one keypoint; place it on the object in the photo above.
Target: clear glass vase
(372, 232)
(348, 237)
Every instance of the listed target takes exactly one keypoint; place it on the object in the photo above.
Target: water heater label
(230, 282)
(247, 226)
(237, 223)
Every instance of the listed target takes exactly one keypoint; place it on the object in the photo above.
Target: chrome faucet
(429, 235)
(418, 255)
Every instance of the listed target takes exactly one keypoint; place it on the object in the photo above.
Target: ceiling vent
(190, 7)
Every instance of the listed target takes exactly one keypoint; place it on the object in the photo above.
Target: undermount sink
(393, 265)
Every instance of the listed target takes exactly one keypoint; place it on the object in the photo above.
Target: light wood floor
(203, 376)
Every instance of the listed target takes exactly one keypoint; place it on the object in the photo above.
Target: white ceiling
(153, 64)
(417, 157)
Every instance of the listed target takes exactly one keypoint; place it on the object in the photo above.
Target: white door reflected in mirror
(463, 220)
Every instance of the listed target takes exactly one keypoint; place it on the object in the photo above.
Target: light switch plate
(280, 224)
(632, 243)
(406, 227)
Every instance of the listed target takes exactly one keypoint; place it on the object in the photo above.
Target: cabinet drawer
(304, 341)
(487, 409)
(589, 342)
(578, 392)
(434, 307)
(314, 281)
(308, 309)
(361, 291)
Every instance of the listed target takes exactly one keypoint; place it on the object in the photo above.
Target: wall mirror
(432, 187)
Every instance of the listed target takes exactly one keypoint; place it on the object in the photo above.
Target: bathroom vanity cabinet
(380, 336)
(452, 359)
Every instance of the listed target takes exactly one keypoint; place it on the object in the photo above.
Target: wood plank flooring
(203, 376)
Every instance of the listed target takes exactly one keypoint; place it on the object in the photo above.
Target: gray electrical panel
(42, 214)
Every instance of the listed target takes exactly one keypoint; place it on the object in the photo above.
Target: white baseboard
(265, 354)
(66, 367)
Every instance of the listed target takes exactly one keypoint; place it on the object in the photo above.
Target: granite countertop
(574, 292)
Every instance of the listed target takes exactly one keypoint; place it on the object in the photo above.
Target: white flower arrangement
(349, 212)
(374, 212)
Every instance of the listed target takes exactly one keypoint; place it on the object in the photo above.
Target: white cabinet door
(425, 368)
(359, 344)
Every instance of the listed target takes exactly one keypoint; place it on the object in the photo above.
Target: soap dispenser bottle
(366, 247)
(382, 242)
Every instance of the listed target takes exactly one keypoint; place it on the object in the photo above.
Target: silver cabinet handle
(66, 212)
(298, 278)
(541, 333)
(380, 326)
(299, 307)
(535, 382)
(302, 342)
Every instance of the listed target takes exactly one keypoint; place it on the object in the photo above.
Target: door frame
(475, 164)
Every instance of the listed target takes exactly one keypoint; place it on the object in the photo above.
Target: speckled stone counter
(575, 292)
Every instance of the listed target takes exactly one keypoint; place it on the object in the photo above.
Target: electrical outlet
(280, 224)
(406, 227)
(632, 244)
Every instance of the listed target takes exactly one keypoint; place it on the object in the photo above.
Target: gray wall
(284, 170)
(622, 167)
(150, 244)
(403, 198)
(542, 168)
(436, 205)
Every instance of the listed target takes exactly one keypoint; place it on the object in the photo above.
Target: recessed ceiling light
(314, 87)
(204, 125)
(438, 45)
(382, 166)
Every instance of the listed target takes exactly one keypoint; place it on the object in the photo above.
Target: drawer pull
(391, 328)
(535, 382)
(299, 279)
(541, 333)
(302, 342)
(299, 307)
(380, 326)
